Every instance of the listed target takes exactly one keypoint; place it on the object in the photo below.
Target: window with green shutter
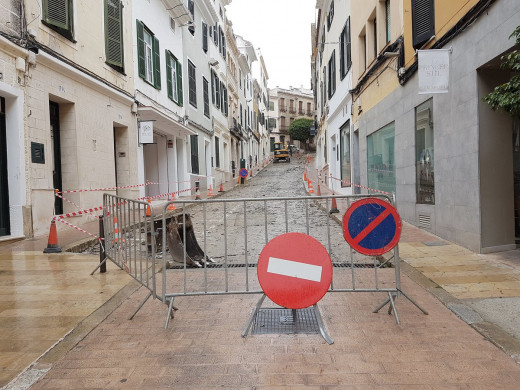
(58, 15)
(173, 78)
(114, 34)
(149, 60)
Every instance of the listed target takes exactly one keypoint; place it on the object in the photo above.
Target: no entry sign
(294, 270)
(372, 226)
(243, 173)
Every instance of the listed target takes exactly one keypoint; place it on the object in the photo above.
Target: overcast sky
(282, 30)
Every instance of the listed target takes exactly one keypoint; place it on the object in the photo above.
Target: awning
(162, 122)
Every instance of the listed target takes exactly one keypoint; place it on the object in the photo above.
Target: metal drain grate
(280, 321)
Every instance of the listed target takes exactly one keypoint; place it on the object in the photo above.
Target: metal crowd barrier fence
(129, 239)
(211, 247)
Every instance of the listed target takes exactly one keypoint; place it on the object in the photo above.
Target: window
(324, 96)
(424, 153)
(217, 152)
(332, 74)
(58, 15)
(344, 147)
(375, 37)
(205, 87)
(380, 159)
(215, 35)
(194, 141)
(363, 51)
(148, 54)
(387, 20)
(174, 78)
(215, 89)
(423, 22)
(191, 9)
(241, 117)
(330, 16)
(192, 84)
(224, 99)
(204, 37)
(114, 34)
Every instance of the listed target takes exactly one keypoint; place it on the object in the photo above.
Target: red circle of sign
(351, 240)
(302, 256)
(243, 173)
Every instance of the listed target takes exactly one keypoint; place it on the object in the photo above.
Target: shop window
(424, 153)
(194, 141)
(380, 159)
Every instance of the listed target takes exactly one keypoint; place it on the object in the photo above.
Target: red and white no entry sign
(294, 270)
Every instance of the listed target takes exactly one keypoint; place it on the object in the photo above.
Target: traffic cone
(148, 211)
(210, 192)
(305, 175)
(117, 232)
(319, 191)
(221, 188)
(52, 244)
(334, 206)
(171, 206)
(251, 172)
(197, 194)
(311, 190)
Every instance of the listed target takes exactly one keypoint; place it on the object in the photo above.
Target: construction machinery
(281, 152)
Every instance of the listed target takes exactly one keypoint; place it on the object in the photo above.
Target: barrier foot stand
(253, 315)
(170, 313)
(323, 332)
(413, 302)
(99, 265)
(141, 305)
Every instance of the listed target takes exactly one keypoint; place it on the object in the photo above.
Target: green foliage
(300, 129)
(506, 97)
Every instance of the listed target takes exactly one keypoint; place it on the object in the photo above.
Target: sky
(282, 31)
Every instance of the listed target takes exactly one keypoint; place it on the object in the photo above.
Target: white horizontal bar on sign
(294, 269)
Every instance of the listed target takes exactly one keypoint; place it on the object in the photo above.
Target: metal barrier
(231, 234)
(130, 239)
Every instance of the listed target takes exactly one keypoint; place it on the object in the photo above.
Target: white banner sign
(434, 70)
(146, 132)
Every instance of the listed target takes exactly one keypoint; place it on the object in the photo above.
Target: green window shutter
(179, 83)
(140, 50)
(114, 32)
(156, 64)
(169, 85)
(57, 13)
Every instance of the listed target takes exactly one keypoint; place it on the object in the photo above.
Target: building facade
(450, 160)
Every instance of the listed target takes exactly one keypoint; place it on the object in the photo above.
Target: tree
(506, 97)
(300, 129)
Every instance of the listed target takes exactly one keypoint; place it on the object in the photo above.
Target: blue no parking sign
(243, 173)
(372, 226)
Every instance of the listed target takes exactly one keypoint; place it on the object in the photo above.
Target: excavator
(281, 152)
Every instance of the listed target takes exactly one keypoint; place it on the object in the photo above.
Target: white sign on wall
(434, 70)
(146, 132)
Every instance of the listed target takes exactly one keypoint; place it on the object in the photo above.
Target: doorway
(5, 227)
(57, 179)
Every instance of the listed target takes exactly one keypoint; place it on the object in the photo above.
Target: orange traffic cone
(148, 211)
(221, 188)
(319, 191)
(210, 191)
(52, 244)
(334, 207)
(311, 190)
(305, 175)
(171, 206)
(117, 232)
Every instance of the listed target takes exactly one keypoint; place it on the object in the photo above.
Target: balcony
(284, 128)
(301, 112)
(310, 113)
(283, 108)
(292, 110)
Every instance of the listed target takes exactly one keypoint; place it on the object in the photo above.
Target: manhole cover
(281, 321)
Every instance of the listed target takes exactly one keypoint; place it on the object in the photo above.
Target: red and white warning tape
(345, 182)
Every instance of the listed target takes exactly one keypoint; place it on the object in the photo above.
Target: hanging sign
(146, 132)
(434, 70)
